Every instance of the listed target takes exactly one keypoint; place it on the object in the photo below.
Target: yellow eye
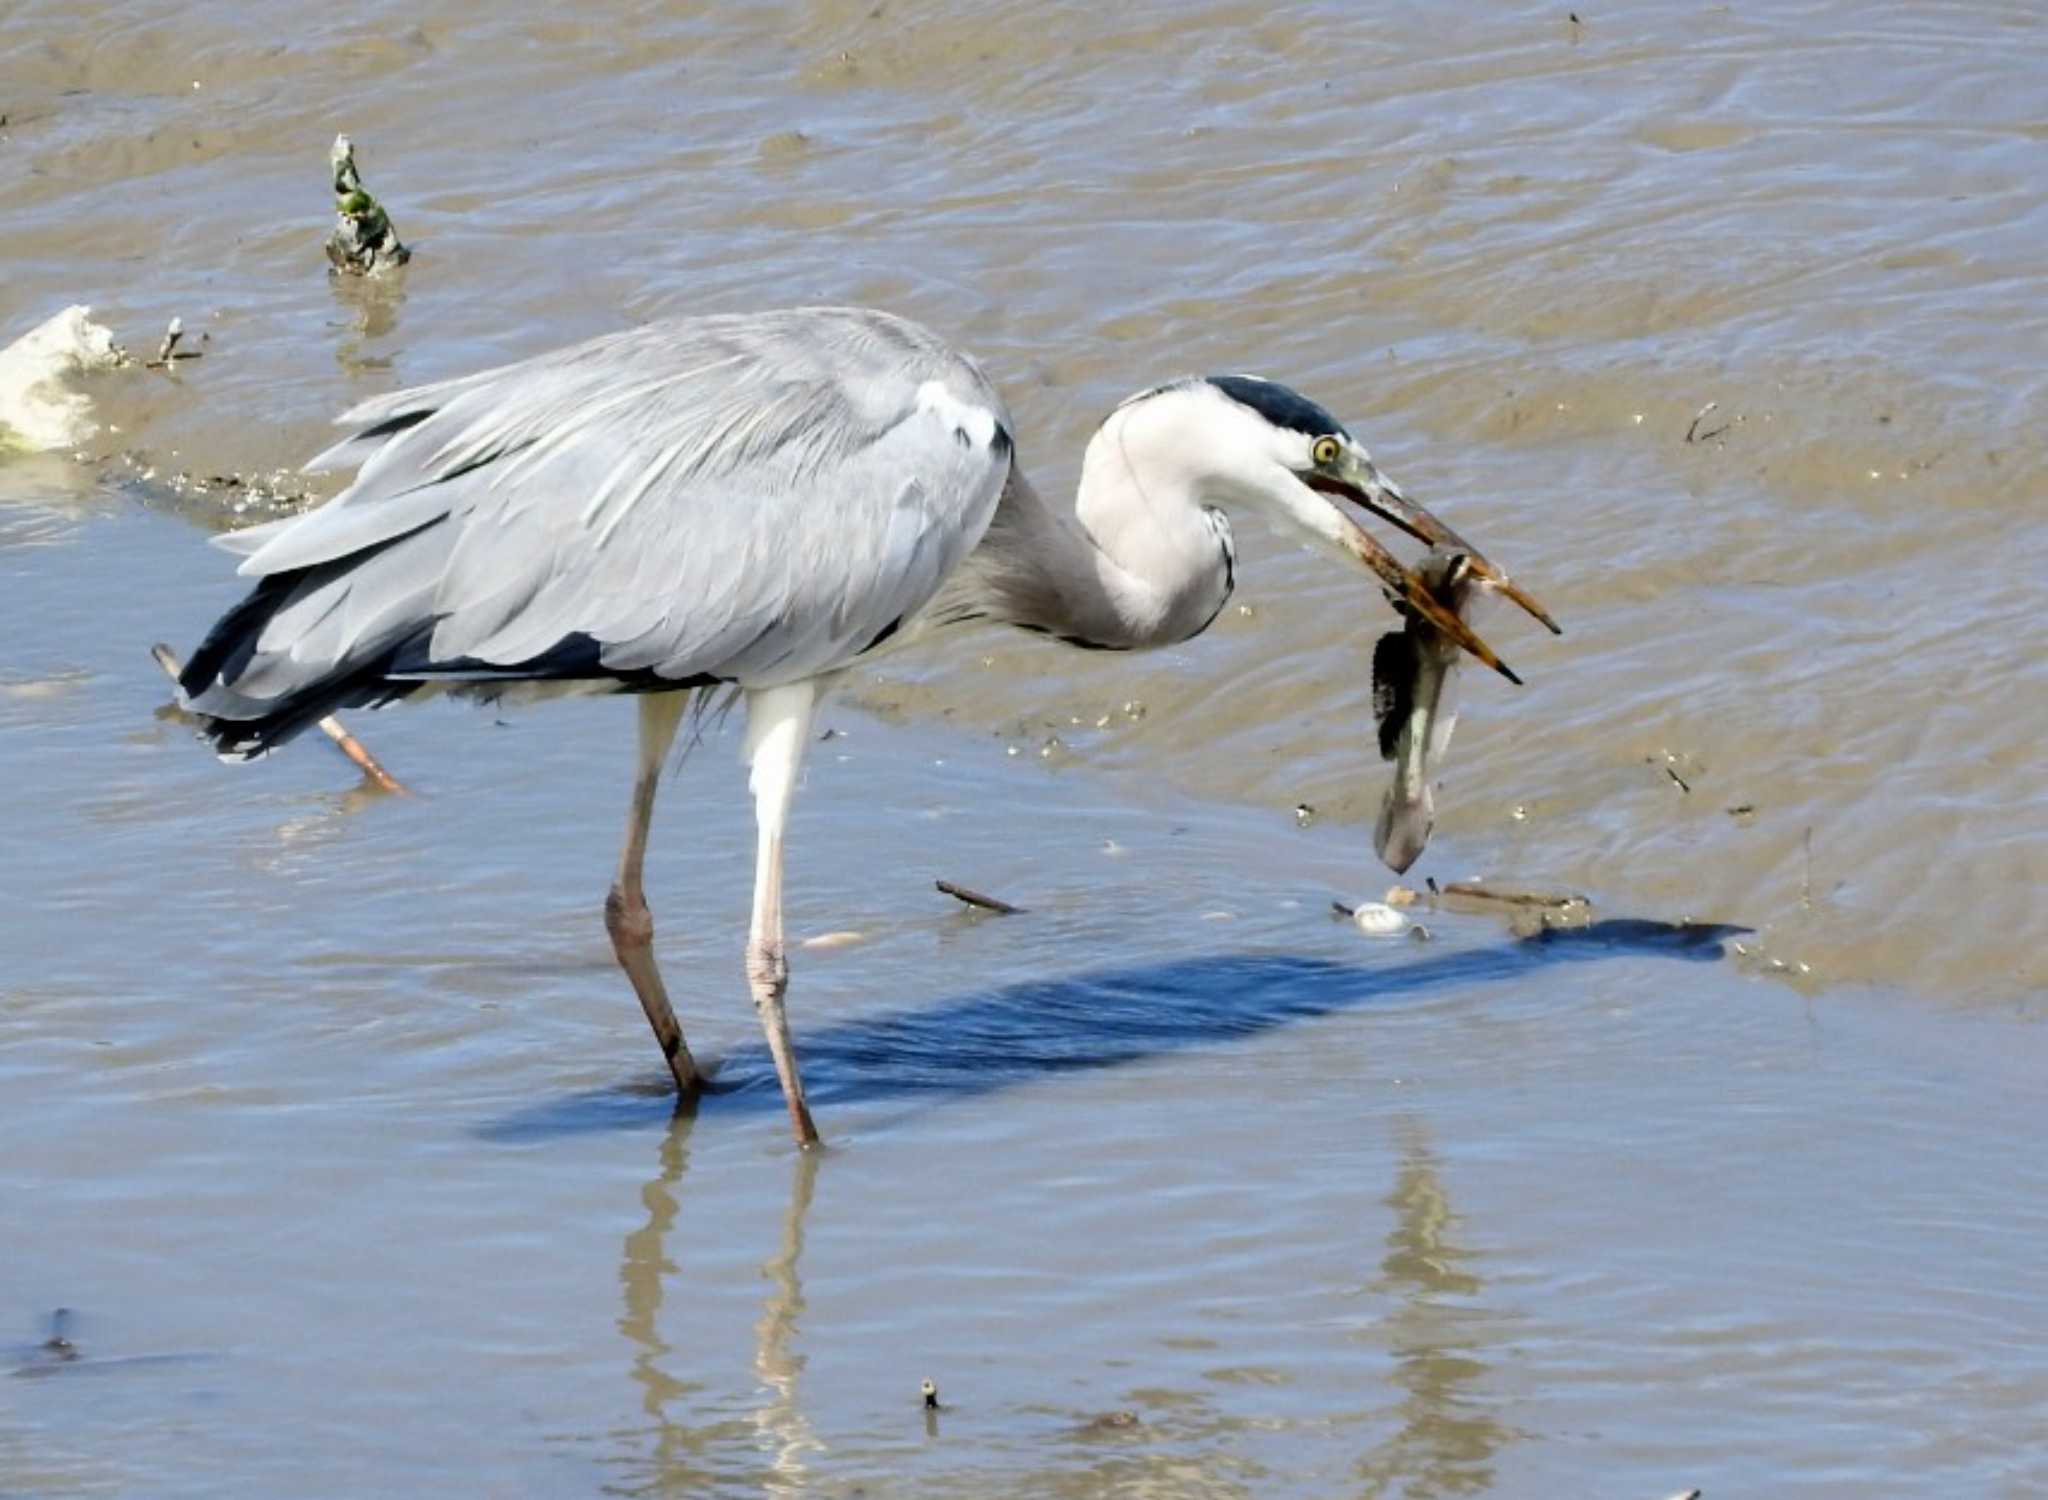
(1325, 451)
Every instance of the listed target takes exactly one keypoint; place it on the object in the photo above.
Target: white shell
(1378, 920)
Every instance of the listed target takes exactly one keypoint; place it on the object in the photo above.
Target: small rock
(363, 241)
(1110, 1421)
(37, 412)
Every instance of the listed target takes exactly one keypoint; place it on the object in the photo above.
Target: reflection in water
(641, 1268)
(373, 304)
(1446, 1441)
(778, 1427)
(784, 1433)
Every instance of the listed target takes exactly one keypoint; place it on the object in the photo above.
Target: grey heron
(754, 502)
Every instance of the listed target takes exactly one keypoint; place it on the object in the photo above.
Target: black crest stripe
(1281, 405)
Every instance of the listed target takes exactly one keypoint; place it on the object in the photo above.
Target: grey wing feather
(749, 498)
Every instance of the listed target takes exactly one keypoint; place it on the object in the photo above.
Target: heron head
(1294, 454)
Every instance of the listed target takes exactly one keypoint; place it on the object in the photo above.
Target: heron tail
(295, 650)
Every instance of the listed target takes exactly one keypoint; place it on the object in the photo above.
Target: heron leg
(626, 916)
(778, 727)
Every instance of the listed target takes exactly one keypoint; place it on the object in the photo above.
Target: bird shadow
(978, 1043)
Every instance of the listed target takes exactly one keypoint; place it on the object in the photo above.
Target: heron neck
(1125, 566)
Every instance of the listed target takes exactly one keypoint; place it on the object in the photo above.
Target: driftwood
(976, 899)
(1540, 900)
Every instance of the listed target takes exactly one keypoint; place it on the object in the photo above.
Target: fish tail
(1402, 832)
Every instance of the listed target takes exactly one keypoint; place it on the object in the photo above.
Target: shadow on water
(980, 1042)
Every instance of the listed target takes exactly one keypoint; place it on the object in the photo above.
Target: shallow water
(340, 1096)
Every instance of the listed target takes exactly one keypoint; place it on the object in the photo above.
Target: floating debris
(1373, 918)
(1108, 1422)
(1378, 920)
(1693, 433)
(57, 1354)
(977, 899)
(1528, 913)
(168, 353)
(58, 1345)
(37, 413)
(363, 242)
(834, 940)
(1554, 901)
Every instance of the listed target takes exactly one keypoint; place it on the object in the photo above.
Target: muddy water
(339, 1099)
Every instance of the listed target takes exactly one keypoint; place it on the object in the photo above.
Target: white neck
(1143, 556)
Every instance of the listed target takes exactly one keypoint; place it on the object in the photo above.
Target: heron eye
(1325, 451)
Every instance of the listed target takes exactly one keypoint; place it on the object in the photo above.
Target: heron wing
(754, 499)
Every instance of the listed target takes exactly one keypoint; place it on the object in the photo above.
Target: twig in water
(1683, 784)
(330, 726)
(1550, 900)
(168, 353)
(1693, 433)
(975, 898)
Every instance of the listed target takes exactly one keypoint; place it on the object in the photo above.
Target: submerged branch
(976, 899)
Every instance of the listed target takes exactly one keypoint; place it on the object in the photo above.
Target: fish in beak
(1414, 701)
(1352, 476)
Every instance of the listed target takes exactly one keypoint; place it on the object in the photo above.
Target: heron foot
(631, 926)
(768, 978)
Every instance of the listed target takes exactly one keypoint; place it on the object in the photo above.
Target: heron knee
(767, 972)
(629, 922)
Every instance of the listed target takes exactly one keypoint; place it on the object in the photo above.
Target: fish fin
(1394, 667)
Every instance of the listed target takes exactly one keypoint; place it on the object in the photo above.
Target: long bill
(1406, 585)
(1384, 499)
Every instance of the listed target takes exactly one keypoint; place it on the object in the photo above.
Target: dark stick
(975, 898)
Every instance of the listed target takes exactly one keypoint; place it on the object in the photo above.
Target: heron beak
(1360, 482)
(1406, 585)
